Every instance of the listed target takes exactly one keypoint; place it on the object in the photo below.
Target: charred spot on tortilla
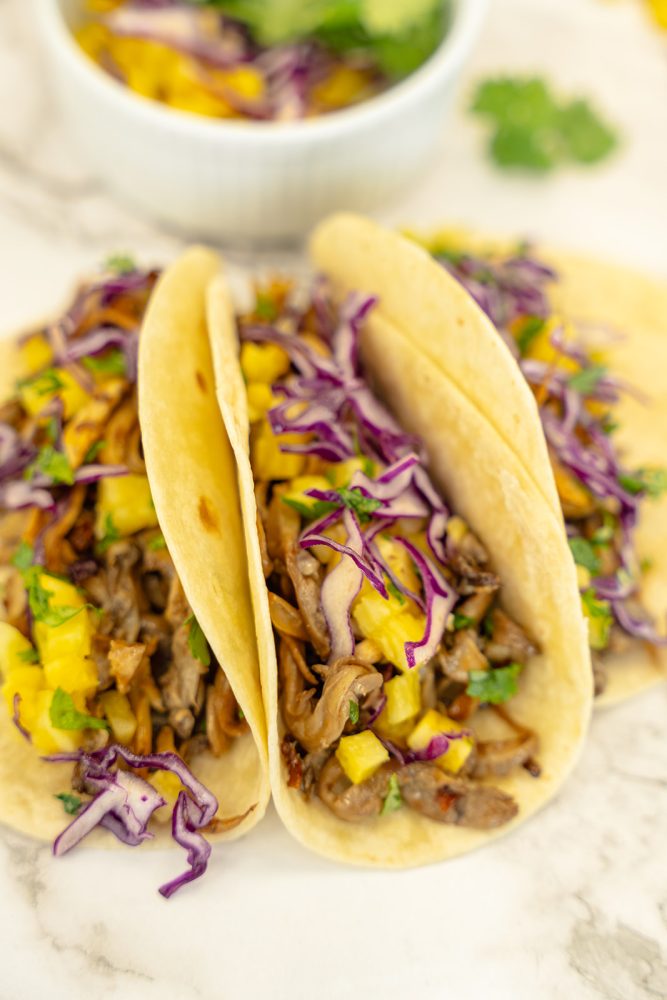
(201, 381)
(207, 516)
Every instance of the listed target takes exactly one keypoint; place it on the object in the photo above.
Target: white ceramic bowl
(264, 182)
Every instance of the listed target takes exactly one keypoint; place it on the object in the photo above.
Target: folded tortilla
(410, 358)
(191, 470)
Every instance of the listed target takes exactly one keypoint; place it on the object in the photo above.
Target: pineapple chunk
(396, 631)
(64, 649)
(434, 723)
(399, 561)
(371, 610)
(300, 484)
(340, 473)
(37, 393)
(389, 623)
(361, 755)
(403, 698)
(26, 682)
(12, 644)
(245, 81)
(169, 786)
(127, 501)
(120, 716)
(583, 577)
(268, 461)
(45, 736)
(457, 529)
(260, 400)
(36, 354)
(71, 672)
(263, 362)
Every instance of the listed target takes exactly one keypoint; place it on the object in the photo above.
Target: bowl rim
(467, 21)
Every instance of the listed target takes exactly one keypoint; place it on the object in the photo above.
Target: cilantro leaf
(45, 383)
(586, 381)
(530, 328)
(462, 621)
(111, 534)
(197, 641)
(603, 535)
(533, 129)
(64, 714)
(354, 712)
(29, 656)
(395, 592)
(393, 799)
(94, 450)
(23, 556)
(584, 554)
(39, 600)
(110, 362)
(157, 543)
(120, 264)
(54, 464)
(494, 686)
(265, 307)
(358, 502)
(653, 482)
(71, 803)
(309, 511)
(600, 619)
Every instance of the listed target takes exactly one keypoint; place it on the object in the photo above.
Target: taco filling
(101, 658)
(394, 653)
(601, 497)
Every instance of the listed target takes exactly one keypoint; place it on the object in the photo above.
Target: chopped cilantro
(54, 464)
(197, 641)
(51, 429)
(494, 686)
(309, 511)
(393, 799)
(356, 501)
(584, 555)
(43, 384)
(603, 535)
(23, 556)
(354, 712)
(368, 466)
(71, 803)
(39, 600)
(600, 619)
(462, 621)
(265, 307)
(487, 627)
(653, 482)
(157, 543)
(110, 362)
(29, 656)
(93, 452)
(530, 328)
(240, 713)
(534, 130)
(395, 592)
(65, 715)
(120, 264)
(586, 381)
(111, 534)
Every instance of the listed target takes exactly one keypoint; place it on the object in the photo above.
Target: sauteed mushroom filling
(394, 654)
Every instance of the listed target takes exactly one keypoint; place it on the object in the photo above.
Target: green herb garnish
(603, 535)
(71, 803)
(111, 535)
(395, 592)
(111, 362)
(39, 600)
(587, 380)
(265, 308)
(534, 130)
(29, 656)
(46, 382)
(197, 641)
(653, 482)
(600, 619)
(354, 712)
(54, 464)
(93, 452)
(356, 501)
(494, 686)
(584, 554)
(309, 511)
(157, 543)
(393, 799)
(530, 328)
(120, 264)
(65, 715)
(23, 556)
(462, 621)
(487, 627)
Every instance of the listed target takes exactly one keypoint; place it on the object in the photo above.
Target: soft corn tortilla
(629, 311)
(191, 470)
(486, 483)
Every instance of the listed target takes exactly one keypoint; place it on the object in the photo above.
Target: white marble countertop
(573, 905)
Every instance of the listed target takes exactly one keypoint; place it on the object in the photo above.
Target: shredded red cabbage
(124, 803)
(16, 718)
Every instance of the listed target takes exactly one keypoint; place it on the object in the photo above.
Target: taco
(130, 685)
(589, 340)
(422, 649)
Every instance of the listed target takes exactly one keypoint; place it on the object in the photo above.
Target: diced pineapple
(268, 461)
(575, 498)
(541, 348)
(169, 787)
(127, 501)
(55, 382)
(246, 81)
(263, 362)
(260, 400)
(583, 577)
(45, 736)
(457, 529)
(399, 561)
(403, 698)
(36, 354)
(342, 86)
(397, 733)
(24, 681)
(361, 755)
(12, 644)
(434, 723)
(71, 672)
(121, 718)
(394, 634)
(301, 484)
(340, 473)
(389, 623)
(371, 610)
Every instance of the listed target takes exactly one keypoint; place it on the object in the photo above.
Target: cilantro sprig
(64, 714)
(393, 799)
(494, 686)
(54, 464)
(71, 803)
(533, 129)
(651, 481)
(197, 641)
(584, 554)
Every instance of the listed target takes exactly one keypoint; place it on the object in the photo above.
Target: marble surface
(574, 905)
